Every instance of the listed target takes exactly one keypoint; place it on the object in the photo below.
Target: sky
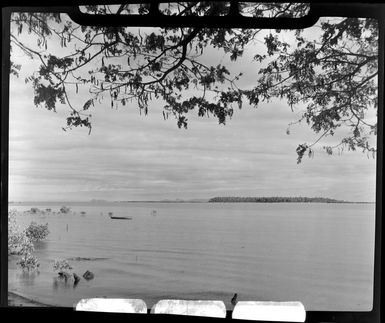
(129, 156)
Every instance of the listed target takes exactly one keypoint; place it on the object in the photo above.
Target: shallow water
(319, 254)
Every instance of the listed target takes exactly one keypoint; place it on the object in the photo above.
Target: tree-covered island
(275, 199)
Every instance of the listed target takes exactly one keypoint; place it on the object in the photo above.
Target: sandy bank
(18, 300)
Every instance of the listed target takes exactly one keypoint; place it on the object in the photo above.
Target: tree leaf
(88, 104)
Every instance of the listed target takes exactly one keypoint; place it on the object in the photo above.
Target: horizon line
(201, 200)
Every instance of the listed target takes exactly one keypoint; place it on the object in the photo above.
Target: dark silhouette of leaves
(333, 76)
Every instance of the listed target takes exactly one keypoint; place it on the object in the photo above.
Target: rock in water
(64, 275)
(76, 279)
(234, 299)
(88, 275)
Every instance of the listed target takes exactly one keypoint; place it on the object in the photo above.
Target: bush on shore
(63, 268)
(20, 242)
(65, 209)
(37, 232)
(28, 262)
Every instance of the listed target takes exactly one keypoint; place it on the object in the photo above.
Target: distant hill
(274, 199)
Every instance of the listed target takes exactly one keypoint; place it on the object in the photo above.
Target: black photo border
(233, 20)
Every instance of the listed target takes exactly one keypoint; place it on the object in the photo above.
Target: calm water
(320, 254)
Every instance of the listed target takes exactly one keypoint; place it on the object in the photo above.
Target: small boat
(120, 217)
(154, 213)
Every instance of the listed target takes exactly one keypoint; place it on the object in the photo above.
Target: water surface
(319, 254)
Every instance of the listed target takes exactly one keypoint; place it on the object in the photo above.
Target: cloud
(129, 156)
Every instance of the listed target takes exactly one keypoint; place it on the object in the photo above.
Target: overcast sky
(134, 157)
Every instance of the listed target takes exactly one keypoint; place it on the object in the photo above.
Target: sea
(321, 254)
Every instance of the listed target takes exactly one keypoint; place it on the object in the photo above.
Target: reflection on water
(28, 277)
(59, 282)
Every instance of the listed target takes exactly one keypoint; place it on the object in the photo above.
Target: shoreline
(17, 300)
(185, 202)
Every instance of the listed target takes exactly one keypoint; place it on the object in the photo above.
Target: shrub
(37, 232)
(18, 242)
(65, 209)
(63, 268)
(28, 262)
(60, 265)
(12, 226)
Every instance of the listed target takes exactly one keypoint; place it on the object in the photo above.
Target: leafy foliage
(333, 74)
(14, 69)
(65, 209)
(63, 268)
(335, 78)
(28, 262)
(19, 243)
(37, 232)
(60, 265)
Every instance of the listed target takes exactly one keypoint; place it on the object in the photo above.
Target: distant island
(274, 199)
(237, 199)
